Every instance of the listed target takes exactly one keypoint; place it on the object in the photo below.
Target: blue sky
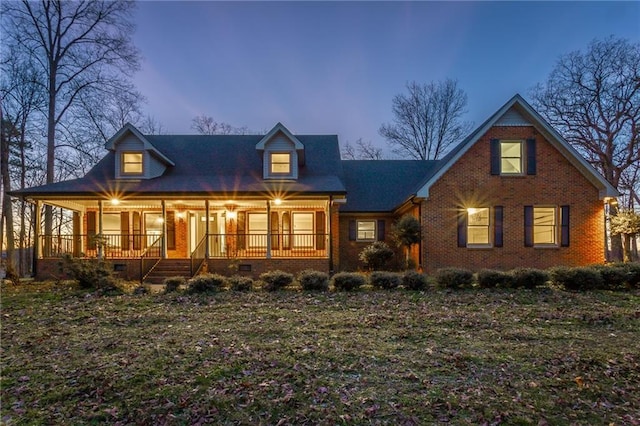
(334, 67)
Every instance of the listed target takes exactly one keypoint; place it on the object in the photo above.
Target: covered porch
(145, 231)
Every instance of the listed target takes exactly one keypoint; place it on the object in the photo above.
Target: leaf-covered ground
(372, 357)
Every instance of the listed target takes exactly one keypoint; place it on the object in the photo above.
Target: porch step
(169, 268)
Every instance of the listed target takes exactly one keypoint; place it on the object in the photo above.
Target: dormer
(135, 156)
(282, 154)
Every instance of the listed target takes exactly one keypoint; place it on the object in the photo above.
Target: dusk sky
(333, 68)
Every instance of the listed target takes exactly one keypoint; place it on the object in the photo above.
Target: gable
(282, 154)
(518, 113)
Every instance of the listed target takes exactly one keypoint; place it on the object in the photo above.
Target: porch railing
(150, 257)
(112, 245)
(198, 255)
(255, 245)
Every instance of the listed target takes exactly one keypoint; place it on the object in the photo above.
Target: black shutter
(380, 229)
(353, 230)
(275, 231)
(241, 230)
(321, 229)
(286, 230)
(531, 156)
(462, 228)
(495, 157)
(171, 230)
(528, 226)
(91, 230)
(498, 214)
(124, 228)
(564, 227)
(137, 231)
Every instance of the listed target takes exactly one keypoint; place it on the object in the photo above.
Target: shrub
(276, 280)
(172, 284)
(240, 283)
(491, 278)
(385, 280)
(313, 280)
(580, 278)
(376, 255)
(90, 273)
(140, 290)
(528, 277)
(205, 283)
(633, 275)
(348, 281)
(454, 278)
(413, 280)
(614, 276)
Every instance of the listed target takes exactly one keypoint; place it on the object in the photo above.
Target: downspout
(330, 242)
(163, 203)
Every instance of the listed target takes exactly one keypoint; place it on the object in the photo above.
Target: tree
(207, 125)
(361, 151)
(428, 120)
(406, 231)
(82, 49)
(593, 99)
(627, 224)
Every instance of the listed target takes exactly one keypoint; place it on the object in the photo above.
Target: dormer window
(281, 163)
(132, 163)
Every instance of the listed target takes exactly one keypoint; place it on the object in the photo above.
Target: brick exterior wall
(349, 250)
(49, 269)
(258, 266)
(468, 183)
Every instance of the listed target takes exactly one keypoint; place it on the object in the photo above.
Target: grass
(370, 357)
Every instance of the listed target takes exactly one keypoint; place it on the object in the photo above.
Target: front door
(197, 231)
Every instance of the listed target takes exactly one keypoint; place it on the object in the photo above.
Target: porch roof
(224, 165)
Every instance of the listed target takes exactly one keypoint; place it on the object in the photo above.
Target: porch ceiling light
(115, 201)
(277, 201)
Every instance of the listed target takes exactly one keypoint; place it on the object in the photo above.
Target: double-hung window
(545, 226)
(132, 163)
(478, 226)
(280, 163)
(511, 155)
(366, 230)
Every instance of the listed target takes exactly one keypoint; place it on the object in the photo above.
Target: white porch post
(163, 254)
(329, 242)
(100, 229)
(37, 247)
(206, 230)
(268, 229)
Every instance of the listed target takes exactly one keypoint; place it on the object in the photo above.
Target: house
(513, 193)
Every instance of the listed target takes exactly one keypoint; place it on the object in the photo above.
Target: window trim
(489, 227)
(556, 226)
(522, 158)
(272, 163)
(124, 163)
(375, 230)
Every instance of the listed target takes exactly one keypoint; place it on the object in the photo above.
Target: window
(478, 226)
(303, 230)
(544, 225)
(281, 163)
(132, 163)
(511, 157)
(366, 230)
(257, 229)
(111, 229)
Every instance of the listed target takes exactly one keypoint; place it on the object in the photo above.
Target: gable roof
(523, 110)
(209, 165)
(129, 128)
(382, 185)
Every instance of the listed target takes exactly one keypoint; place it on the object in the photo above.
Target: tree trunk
(7, 210)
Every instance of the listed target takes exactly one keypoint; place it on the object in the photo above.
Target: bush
(376, 255)
(140, 290)
(205, 283)
(491, 278)
(313, 280)
(240, 283)
(580, 278)
(413, 280)
(614, 276)
(528, 277)
(172, 284)
(90, 273)
(454, 278)
(385, 280)
(348, 281)
(276, 280)
(633, 275)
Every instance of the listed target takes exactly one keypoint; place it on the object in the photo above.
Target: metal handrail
(197, 261)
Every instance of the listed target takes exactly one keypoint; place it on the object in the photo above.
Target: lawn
(370, 357)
